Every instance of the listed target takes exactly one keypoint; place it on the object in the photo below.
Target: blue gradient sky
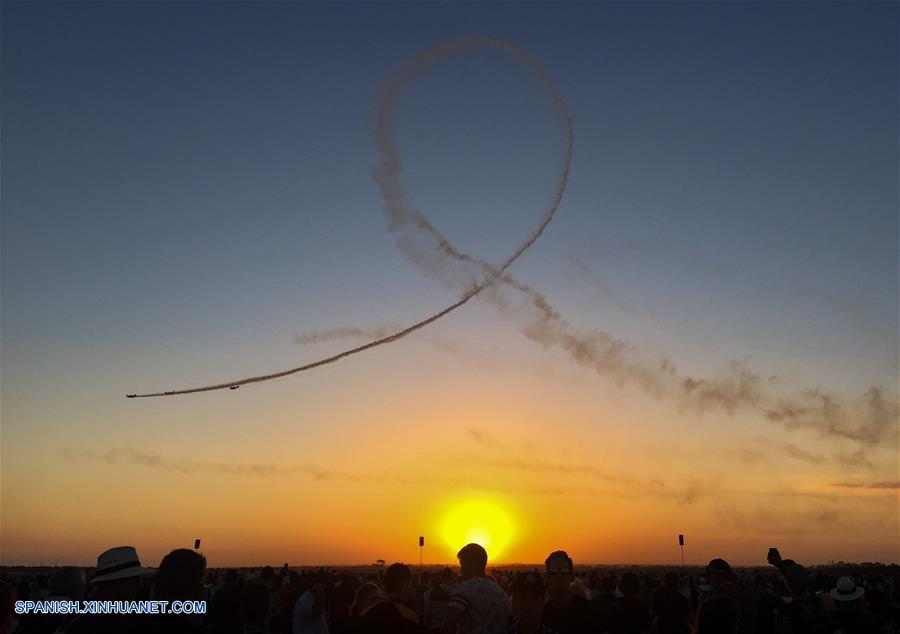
(186, 186)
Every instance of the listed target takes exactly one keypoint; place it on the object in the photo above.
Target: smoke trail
(736, 387)
(187, 467)
(887, 485)
(408, 222)
(620, 485)
(624, 487)
(345, 333)
(801, 454)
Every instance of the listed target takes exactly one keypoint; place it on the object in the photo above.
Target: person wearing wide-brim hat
(118, 563)
(847, 590)
(117, 578)
(851, 616)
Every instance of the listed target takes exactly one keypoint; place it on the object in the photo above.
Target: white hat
(846, 590)
(120, 562)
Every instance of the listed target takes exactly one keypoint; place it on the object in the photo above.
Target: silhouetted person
(117, 578)
(723, 584)
(436, 599)
(66, 584)
(852, 618)
(673, 609)
(179, 578)
(528, 602)
(341, 600)
(367, 595)
(605, 598)
(718, 615)
(392, 614)
(565, 611)
(478, 604)
(801, 612)
(225, 611)
(774, 559)
(309, 611)
(285, 600)
(627, 615)
(254, 608)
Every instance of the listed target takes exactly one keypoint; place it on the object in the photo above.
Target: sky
(187, 197)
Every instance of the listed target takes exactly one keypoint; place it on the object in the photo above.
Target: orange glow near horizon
(570, 465)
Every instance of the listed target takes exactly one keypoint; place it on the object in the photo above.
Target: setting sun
(483, 522)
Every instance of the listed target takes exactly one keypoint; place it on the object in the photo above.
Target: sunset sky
(188, 198)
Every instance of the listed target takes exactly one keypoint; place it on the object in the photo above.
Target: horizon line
(496, 565)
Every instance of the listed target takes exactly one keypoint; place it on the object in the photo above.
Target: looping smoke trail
(402, 217)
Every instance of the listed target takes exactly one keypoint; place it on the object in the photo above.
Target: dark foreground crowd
(784, 599)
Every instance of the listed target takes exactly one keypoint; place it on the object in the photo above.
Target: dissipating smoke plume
(407, 222)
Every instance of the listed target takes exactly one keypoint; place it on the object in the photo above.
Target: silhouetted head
(717, 615)
(255, 602)
(396, 580)
(472, 560)
(560, 571)
(118, 573)
(719, 572)
(367, 595)
(67, 582)
(180, 575)
(560, 561)
(446, 575)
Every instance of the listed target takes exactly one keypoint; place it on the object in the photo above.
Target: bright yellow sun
(480, 521)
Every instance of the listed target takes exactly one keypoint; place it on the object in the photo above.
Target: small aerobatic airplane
(230, 387)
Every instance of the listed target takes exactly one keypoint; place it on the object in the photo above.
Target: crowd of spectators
(785, 598)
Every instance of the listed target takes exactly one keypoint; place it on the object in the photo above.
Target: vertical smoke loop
(402, 218)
